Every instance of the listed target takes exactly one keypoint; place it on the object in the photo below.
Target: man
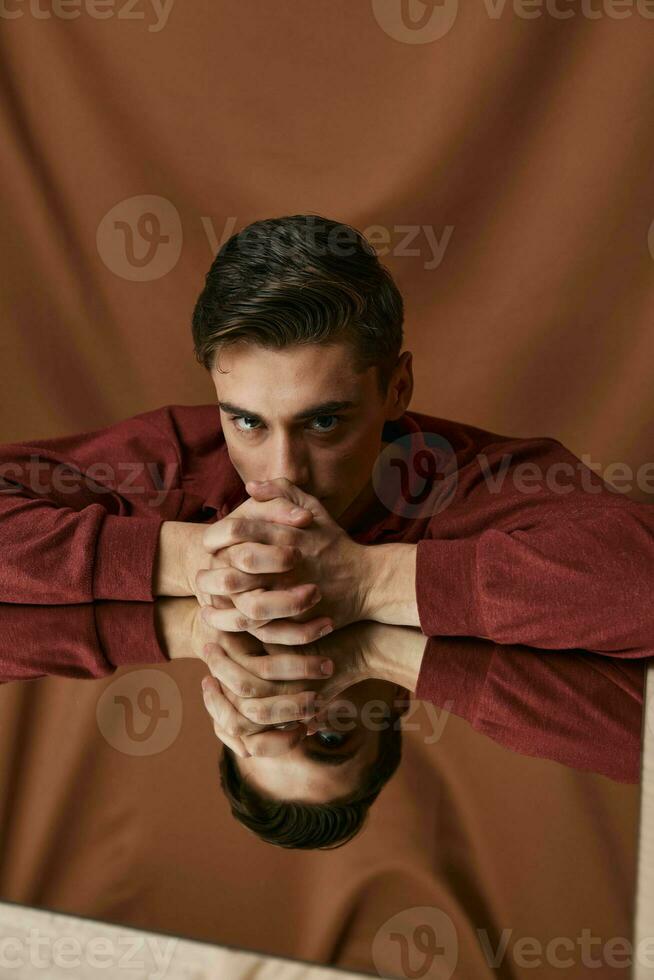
(366, 511)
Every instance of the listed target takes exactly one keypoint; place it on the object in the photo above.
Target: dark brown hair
(294, 824)
(301, 279)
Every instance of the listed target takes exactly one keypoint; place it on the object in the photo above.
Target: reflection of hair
(300, 279)
(293, 824)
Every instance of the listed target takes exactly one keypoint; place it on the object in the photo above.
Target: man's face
(309, 772)
(303, 413)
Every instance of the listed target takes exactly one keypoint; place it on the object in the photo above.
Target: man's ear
(400, 388)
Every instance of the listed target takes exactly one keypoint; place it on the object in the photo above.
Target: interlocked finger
(237, 745)
(255, 557)
(225, 714)
(230, 620)
(291, 632)
(264, 605)
(251, 675)
(237, 530)
(278, 709)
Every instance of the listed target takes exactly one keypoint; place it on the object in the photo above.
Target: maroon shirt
(556, 561)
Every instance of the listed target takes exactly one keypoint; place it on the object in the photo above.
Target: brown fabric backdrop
(525, 148)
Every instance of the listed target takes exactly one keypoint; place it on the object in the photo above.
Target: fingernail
(297, 512)
(325, 630)
(205, 684)
(327, 666)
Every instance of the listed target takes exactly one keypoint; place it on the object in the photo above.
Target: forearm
(389, 573)
(583, 583)
(521, 698)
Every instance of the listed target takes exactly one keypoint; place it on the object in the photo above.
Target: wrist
(389, 584)
(179, 557)
(395, 653)
(173, 620)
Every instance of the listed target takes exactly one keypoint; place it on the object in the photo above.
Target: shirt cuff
(446, 587)
(127, 633)
(453, 675)
(124, 558)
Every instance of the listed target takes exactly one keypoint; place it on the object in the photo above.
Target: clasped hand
(282, 569)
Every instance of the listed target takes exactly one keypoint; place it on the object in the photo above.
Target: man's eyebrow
(330, 760)
(324, 408)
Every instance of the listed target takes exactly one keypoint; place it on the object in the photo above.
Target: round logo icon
(140, 713)
(415, 21)
(420, 943)
(140, 238)
(416, 475)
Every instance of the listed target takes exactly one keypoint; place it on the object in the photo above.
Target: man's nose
(287, 459)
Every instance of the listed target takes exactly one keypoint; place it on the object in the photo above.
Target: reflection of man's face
(330, 763)
(303, 413)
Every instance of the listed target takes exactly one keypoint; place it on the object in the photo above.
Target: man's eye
(331, 740)
(335, 419)
(321, 423)
(244, 418)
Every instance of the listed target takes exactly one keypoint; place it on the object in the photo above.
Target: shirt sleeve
(575, 708)
(85, 641)
(80, 515)
(549, 570)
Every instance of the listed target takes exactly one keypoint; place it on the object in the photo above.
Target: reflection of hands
(272, 575)
(247, 692)
(257, 692)
(183, 633)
